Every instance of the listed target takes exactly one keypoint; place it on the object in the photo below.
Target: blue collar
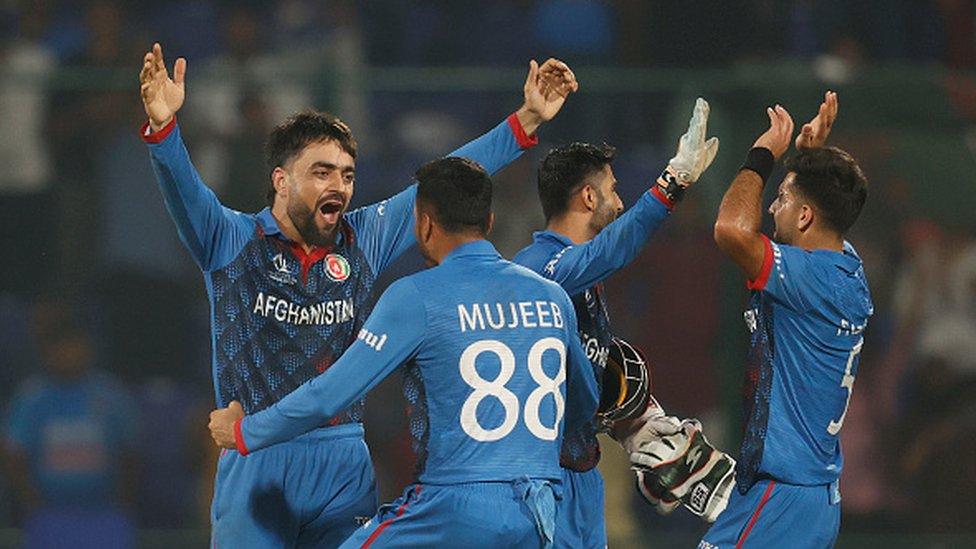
(475, 248)
(847, 260)
(267, 222)
(562, 239)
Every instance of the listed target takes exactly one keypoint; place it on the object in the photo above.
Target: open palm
(162, 96)
(814, 133)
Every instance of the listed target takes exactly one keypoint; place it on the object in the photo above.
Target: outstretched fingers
(179, 71)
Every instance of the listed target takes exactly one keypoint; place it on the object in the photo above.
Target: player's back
(807, 324)
(488, 384)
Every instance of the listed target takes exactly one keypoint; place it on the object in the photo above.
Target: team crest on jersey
(336, 267)
(281, 273)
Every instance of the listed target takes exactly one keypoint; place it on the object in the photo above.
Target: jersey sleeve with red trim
(213, 233)
(788, 274)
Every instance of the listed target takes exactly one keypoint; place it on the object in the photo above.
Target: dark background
(97, 296)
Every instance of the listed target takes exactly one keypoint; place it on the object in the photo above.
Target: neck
(820, 240)
(573, 225)
(449, 242)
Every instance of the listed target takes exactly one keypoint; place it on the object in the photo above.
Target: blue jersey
(580, 270)
(495, 362)
(279, 315)
(807, 317)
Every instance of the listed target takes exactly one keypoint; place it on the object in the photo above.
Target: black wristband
(669, 186)
(761, 161)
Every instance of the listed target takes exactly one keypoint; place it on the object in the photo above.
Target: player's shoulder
(528, 276)
(408, 287)
(832, 277)
(545, 244)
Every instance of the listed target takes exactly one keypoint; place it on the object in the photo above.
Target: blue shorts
(773, 514)
(312, 491)
(472, 515)
(580, 519)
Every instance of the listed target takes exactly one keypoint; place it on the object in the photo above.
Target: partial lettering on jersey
(850, 328)
(496, 316)
(750, 317)
(550, 269)
(322, 313)
(594, 351)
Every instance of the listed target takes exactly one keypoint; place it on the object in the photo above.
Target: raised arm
(385, 229)
(211, 232)
(578, 267)
(737, 229)
(391, 335)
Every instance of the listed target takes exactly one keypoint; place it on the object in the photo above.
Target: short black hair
(299, 131)
(458, 193)
(565, 169)
(831, 179)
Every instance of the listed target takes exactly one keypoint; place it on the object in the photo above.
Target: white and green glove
(694, 155)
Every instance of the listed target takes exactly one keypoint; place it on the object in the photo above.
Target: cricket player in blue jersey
(493, 367)
(584, 243)
(289, 289)
(809, 308)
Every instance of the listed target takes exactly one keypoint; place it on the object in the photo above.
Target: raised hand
(777, 138)
(222, 424)
(814, 133)
(162, 96)
(694, 153)
(546, 89)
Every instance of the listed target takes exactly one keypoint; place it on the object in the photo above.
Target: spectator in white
(25, 199)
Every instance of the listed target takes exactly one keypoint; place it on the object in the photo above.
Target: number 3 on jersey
(846, 382)
(496, 389)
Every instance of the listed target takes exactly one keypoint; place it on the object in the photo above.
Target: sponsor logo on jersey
(371, 339)
(322, 313)
(281, 273)
(336, 267)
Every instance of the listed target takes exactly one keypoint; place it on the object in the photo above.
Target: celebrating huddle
(510, 367)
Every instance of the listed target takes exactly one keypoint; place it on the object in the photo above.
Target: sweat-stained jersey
(807, 316)
(580, 270)
(281, 316)
(497, 363)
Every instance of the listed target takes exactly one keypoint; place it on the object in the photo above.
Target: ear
(278, 179)
(491, 222)
(588, 196)
(805, 220)
(425, 226)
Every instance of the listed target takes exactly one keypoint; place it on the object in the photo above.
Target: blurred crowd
(104, 343)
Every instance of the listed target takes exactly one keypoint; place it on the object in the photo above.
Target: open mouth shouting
(331, 207)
